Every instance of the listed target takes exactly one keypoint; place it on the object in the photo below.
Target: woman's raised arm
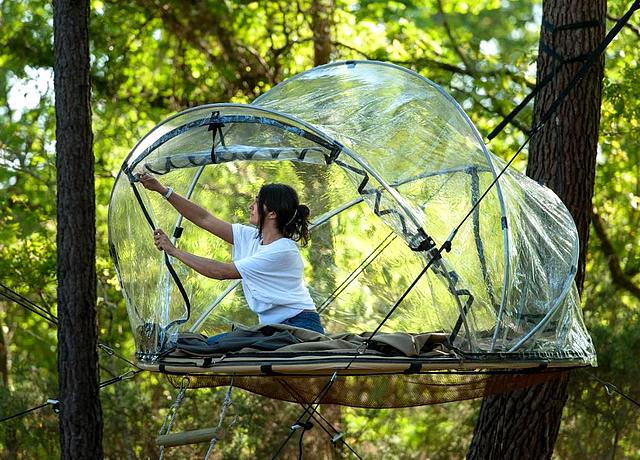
(191, 211)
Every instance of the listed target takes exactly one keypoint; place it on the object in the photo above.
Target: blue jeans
(306, 319)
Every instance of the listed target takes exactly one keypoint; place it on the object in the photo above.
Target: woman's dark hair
(292, 217)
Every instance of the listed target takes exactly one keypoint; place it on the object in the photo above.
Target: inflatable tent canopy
(391, 168)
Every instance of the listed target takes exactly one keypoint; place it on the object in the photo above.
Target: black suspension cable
(582, 72)
(365, 345)
(111, 352)
(593, 57)
(609, 387)
(300, 444)
(433, 258)
(56, 404)
(28, 304)
(25, 412)
(356, 272)
(34, 305)
(320, 419)
(447, 244)
(311, 409)
(27, 307)
(126, 376)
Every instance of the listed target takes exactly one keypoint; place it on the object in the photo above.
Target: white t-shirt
(272, 275)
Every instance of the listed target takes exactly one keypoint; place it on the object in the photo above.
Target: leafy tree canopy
(151, 58)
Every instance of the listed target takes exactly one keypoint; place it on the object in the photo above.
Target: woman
(265, 255)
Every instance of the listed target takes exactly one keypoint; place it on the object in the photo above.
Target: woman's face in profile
(254, 218)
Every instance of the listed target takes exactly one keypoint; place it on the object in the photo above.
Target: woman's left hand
(162, 242)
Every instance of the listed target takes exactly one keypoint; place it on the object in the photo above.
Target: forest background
(151, 58)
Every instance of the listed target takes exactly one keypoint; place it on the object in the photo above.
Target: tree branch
(633, 28)
(429, 62)
(493, 109)
(613, 261)
(27, 171)
(454, 42)
(338, 44)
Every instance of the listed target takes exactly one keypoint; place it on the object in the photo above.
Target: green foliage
(151, 59)
(435, 432)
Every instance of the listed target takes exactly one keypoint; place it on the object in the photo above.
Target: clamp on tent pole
(425, 242)
(216, 126)
(336, 148)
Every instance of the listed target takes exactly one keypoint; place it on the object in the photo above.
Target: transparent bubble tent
(391, 168)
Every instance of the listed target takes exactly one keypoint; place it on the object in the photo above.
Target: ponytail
(297, 228)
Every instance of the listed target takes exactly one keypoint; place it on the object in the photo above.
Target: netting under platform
(379, 391)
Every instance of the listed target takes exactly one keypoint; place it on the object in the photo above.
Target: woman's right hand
(162, 242)
(149, 182)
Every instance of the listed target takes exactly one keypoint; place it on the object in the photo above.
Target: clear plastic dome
(389, 165)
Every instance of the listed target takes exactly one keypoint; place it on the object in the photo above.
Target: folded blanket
(283, 338)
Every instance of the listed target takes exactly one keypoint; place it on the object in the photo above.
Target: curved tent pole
(543, 322)
(505, 228)
(333, 148)
(308, 133)
(473, 173)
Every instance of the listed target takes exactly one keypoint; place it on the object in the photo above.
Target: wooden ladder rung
(186, 437)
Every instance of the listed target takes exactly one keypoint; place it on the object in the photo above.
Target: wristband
(168, 193)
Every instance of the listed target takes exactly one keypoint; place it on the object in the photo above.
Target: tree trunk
(81, 412)
(4, 358)
(10, 440)
(525, 424)
(563, 155)
(321, 21)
